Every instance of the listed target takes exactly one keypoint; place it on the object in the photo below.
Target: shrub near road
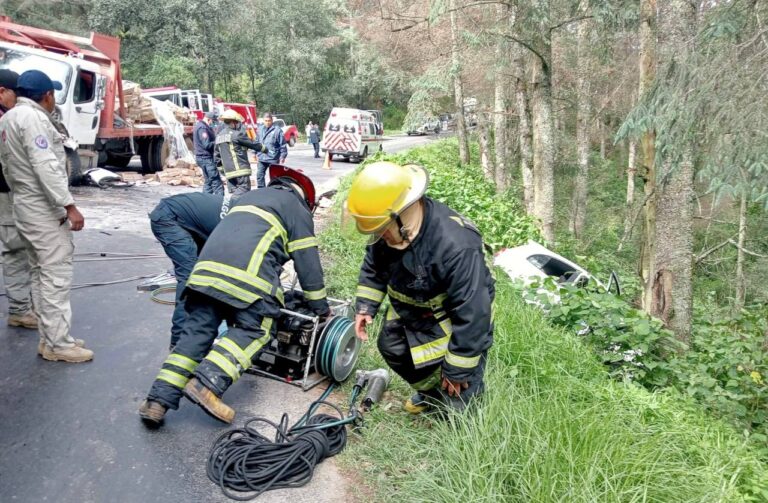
(552, 425)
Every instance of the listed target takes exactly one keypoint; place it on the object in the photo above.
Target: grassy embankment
(552, 425)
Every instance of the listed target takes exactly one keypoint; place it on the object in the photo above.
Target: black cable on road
(244, 463)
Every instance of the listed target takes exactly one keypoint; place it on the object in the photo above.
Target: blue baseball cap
(35, 81)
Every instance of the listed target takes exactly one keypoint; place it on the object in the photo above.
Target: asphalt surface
(71, 433)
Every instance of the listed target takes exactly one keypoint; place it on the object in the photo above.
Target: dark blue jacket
(274, 141)
(203, 138)
(314, 135)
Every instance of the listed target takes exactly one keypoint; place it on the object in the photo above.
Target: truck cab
(82, 97)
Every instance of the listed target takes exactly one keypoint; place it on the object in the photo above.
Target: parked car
(431, 125)
(533, 261)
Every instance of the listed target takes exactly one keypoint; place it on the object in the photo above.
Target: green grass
(551, 427)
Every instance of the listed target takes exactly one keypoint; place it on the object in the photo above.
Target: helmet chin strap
(401, 227)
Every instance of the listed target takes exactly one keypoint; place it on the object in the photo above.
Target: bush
(631, 343)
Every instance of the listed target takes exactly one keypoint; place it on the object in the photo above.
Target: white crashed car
(533, 261)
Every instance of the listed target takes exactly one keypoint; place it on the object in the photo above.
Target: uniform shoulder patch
(41, 141)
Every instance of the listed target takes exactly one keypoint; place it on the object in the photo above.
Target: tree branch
(734, 243)
(712, 250)
(524, 44)
(569, 21)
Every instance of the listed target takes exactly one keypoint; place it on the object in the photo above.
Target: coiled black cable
(244, 460)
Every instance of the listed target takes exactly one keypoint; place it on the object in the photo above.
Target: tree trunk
(543, 149)
(629, 207)
(647, 68)
(486, 161)
(583, 120)
(458, 92)
(601, 132)
(524, 132)
(673, 260)
(500, 109)
(741, 283)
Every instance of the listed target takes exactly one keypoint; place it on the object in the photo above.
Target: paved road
(70, 433)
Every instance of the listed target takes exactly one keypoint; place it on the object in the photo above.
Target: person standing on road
(204, 138)
(232, 144)
(307, 129)
(182, 224)
(275, 152)
(429, 260)
(237, 279)
(314, 139)
(34, 164)
(15, 260)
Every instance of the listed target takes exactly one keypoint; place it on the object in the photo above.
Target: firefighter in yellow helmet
(429, 261)
(231, 149)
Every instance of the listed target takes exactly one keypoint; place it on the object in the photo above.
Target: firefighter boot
(208, 401)
(422, 401)
(26, 320)
(152, 413)
(41, 345)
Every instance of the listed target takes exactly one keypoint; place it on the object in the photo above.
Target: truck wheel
(158, 153)
(144, 150)
(73, 168)
(292, 141)
(381, 147)
(359, 158)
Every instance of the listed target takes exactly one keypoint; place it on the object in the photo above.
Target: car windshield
(20, 62)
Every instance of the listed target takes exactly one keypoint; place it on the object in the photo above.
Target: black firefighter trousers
(216, 366)
(394, 348)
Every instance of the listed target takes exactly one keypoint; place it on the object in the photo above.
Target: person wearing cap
(237, 279)
(203, 138)
(275, 149)
(232, 144)
(34, 164)
(15, 260)
(429, 261)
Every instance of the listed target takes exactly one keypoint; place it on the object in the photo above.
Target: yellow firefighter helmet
(231, 115)
(382, 191)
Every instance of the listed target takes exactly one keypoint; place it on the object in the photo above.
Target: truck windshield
(20, 62)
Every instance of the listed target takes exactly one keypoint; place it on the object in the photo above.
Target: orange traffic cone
(327, 161)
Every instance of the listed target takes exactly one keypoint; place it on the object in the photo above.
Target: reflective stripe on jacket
(439, 288)
(232, 148)
(242, 260)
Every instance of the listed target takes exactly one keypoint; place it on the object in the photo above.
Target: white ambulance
(352, 134)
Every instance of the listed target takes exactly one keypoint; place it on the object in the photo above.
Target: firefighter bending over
(237, 279)
(232, 144)
(429, 260)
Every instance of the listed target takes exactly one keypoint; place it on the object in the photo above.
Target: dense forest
(635, 133)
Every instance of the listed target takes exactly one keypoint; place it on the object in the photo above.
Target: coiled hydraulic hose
(244, 463)
(330, 345)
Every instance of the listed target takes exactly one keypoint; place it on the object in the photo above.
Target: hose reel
(337, 349)
(307, 349)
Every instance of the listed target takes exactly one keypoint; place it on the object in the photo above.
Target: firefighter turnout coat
(232, 151)
(242, 260)
(439, 288)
